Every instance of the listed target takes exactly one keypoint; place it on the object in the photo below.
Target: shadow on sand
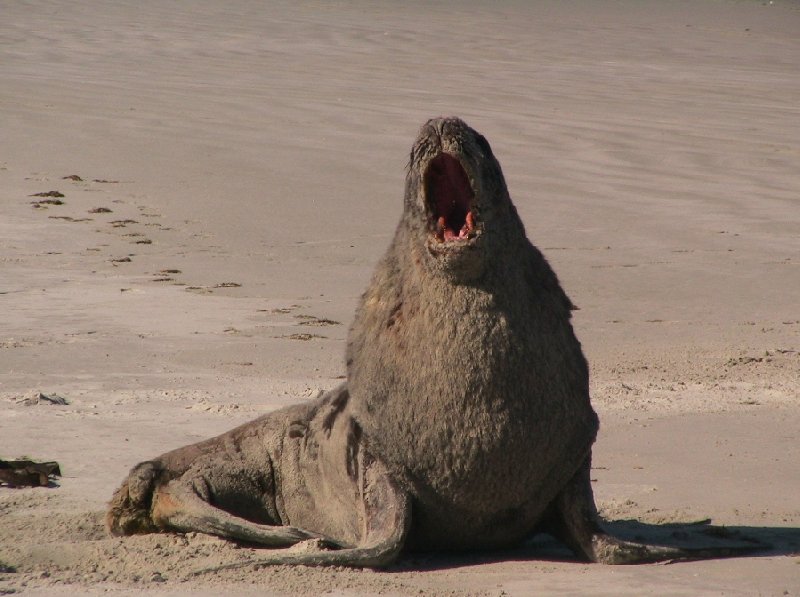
(701, 537)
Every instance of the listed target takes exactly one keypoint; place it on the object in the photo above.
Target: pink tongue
(449, 233)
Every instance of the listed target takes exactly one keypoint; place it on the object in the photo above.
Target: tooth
(470, 224)
(440, 226)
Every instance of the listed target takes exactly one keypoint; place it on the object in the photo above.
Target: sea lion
(465, 421)
(462, 365)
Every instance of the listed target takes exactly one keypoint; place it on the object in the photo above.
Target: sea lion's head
(456, 199)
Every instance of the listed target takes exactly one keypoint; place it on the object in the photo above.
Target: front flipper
(607, 549)
(573, 519)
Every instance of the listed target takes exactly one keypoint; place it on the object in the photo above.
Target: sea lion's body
(468, 378)
(465, 421)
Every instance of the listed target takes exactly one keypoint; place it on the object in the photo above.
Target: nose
(443, 127)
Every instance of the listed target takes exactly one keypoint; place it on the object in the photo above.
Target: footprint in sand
(48, 194)
(45, 202)
(304, 337)
(315, 321)
(165, 275)
(122, 223)
(70, 219)
(198, 289)
(280, 310)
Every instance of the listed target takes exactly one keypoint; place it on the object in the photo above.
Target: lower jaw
(461, 261)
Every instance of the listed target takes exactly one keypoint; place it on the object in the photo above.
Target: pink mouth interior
(449, 196)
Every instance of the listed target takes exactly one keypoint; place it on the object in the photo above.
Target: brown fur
(465, 421)
(463, 366)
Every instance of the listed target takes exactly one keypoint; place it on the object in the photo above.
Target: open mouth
(449, 199)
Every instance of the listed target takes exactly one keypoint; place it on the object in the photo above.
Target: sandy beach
(227, 174)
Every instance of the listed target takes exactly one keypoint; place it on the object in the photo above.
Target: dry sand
(653, 151)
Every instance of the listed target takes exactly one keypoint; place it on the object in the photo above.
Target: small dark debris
(121, 260)
(169, 271)
(100, 210)
(52, 399)
(104, 181)
(40, 398)
(227, 285)
(26, 473)
(122, 223)
(74, 177)
(47, 194)
(144, 241)
(164, 279)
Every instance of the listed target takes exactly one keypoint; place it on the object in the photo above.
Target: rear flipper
(177, 506)
(573, 519)
(302, 473)
(386, 520)
(129, 509)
